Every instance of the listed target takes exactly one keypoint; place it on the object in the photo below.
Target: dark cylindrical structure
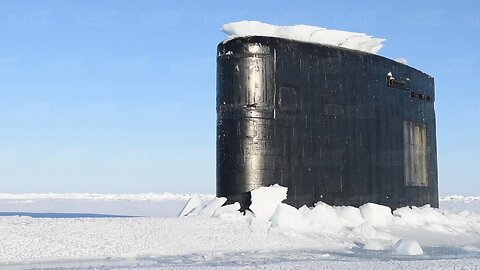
(335, 125)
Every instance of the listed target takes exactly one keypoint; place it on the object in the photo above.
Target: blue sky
(119, 96)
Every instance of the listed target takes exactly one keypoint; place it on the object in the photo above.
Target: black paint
(326, 122)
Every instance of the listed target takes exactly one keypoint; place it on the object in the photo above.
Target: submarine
(332, 124)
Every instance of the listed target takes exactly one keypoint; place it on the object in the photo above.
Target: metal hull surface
(334, 125)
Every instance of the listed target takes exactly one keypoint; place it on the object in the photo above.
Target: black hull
(334, 125)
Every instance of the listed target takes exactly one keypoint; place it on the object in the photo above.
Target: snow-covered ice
(212, 207)
(306, 33)
(147, 204)
(266, 199)
(376, 215)
(460, 199)
(100, 197)
(321, 237)
(374, 245)
(195, 202)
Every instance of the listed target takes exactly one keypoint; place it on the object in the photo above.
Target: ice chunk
(373, 245)
(376, 215)
(407, 247)
(288, 217)
(195, 202)
(423, 216)
(406, 215)
(208, 210)
(324, 218)
(266, 199)
(229, 208)
(306, 33)
(365, 231)
(229, 212)
(349, 216)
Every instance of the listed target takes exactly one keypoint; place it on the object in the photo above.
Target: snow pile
(306, 33)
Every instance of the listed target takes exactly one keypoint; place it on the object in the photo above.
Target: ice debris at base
(372, 226)
(373, 245)
(193, 204)
(376, 215)
(213, 206)
(306, 33)
(228, 212)
(341, 234)
(407, 247)
(266, 199)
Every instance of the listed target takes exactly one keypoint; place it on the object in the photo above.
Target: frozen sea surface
(85, 232)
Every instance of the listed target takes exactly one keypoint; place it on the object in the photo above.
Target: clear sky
(119, 96)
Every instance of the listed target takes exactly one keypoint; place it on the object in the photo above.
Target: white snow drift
(306, 33)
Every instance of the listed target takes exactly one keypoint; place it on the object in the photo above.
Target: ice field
(143, 231)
